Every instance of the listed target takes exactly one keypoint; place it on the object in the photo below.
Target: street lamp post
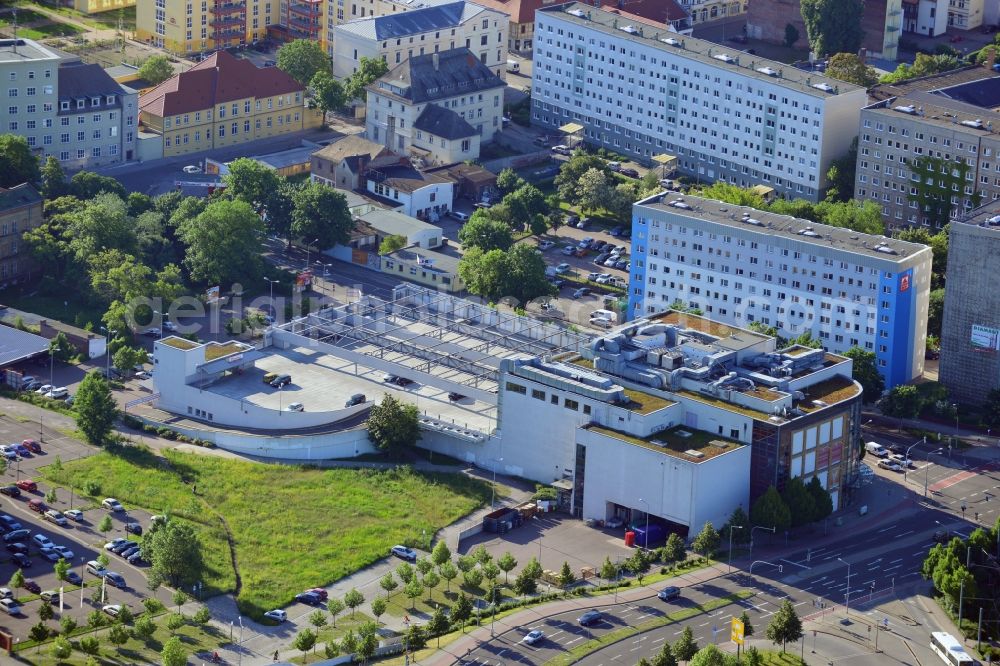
(107, 351)
(731, 528)
(906, 457)
(161, 322)
(847, 596)
(309, 250)
(52, 357)
(274, 310)
(927, 467)
(645, 538)
(493, 494)
(757, 527)
(240, 646)
(780, 567)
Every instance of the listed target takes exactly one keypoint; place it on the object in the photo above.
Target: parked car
(192, 168)
(270, 377)
(129, 552)
(356, 399)
(115, 580)
(49, 554)
(295, 407)
(460, 216)
(669, 593)
(10, 491)
(42, 541)
(122, 547)
(37, 505)
(73, 578)
(281, 381)
(74, 515)
(32, 586)
(8, 453)
(58, 393)
(581, 292)
(902, 460)
(277, 614)
(546, 245)
(310, 598)
(16, 535)
(22, 450)
(582, 224)
(590, 617)
(9, 522)
(6, 593)
(614, 523)
(32, 445)
(569, 250)
(10, 607)
(56, 517)
(136, 558)
(614, 166)
(563, 268)
(112, 609)
(533, 636)
(629, 171)
(404, 553)
(111, 504)
(891, 465)
(562, 150)
(44, 388)
(455, 397)
(21, 560)
(27, 485)
(601, 258)
(571, 220)
(143, 374)
(320, 592)
(152, 332)
(133, 528)
(114, 543)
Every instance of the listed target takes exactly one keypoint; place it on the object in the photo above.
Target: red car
(319, 592)
(32, 445)
(27, 485)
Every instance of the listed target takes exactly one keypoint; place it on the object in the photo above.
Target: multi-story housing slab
(739, 265)
(65, 108)
(726, 115)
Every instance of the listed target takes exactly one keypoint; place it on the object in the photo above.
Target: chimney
(991, 58)
(435, 60)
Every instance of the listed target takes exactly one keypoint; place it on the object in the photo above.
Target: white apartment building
(66, 109)
(926, 17)
(726, 115)
(739, 265)
(436, 106)
(396, 37)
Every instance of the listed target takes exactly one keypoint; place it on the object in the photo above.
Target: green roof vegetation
(644, 403)
(179, 343)
(214, 351)
(722, 404)
(675, 442)
(829, 391)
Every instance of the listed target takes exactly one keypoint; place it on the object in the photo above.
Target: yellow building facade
(178, 112)
(188, 27)
(96, 6)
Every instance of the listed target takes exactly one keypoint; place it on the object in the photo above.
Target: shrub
(92, 488)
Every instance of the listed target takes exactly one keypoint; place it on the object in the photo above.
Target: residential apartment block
(438, 107)
(224, 101)
(20, 211)
(881, 23)
(966, 14)
(970, 334)
(704, 11)
(726, 115)
(66, 109)
(97, 6)
(925, 17)
(395, 38)
(947, 119)
(187, 27)
(740, 265)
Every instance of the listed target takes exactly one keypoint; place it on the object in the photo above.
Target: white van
(876, 449)
(607, 315)
(513, 66)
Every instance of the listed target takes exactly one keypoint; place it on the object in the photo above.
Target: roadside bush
(92, 488)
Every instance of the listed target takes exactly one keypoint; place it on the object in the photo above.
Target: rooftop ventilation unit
(679, 203)
(994, 221)
(808, 231)
(767, 71)
(885, 249)
(658, 442)
(977, 123)
(825, 87)
(909, 108)
(724, 57)
(754, 222)
(671, 41)
(684, 434)
(576, 12)
(629, 29)
(694, 454)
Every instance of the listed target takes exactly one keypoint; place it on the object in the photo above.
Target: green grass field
(45, 28)
(293, 527)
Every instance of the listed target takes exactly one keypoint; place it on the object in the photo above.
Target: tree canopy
(17, 163)
(851, 68)
(320, 213)
(302, 59)
(223, 244)
(485, 232)
(865, 371)
(367, 71)
(771, 511)
(833, 26)
(95, 408)
(175, 554)
(393, 425)
(156, 69)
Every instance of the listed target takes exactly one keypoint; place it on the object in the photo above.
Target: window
(571, 404)
(538, 395)
(517, 388)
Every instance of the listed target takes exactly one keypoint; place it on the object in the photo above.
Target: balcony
(222, 8)
(238, 23)
(230, 33)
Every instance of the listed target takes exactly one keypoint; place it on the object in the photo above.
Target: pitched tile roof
(444, 123)
(434, 76)
(218, 79)
(520, 11)
(18, 196)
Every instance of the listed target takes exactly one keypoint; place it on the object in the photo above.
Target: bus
(950, 650)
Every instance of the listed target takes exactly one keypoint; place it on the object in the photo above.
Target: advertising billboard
(985, 338)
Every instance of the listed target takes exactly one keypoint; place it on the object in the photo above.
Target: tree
(508, 181)
(771, 511)
(791, 35)
(707, 541)
(462, 610)
(45, 612)
(413, 590)
(416, 638)
(865, 372)
(485, 233)
(53, 178)
(673, 550)
(156, 69)
(388, 583)
(90, 644)
(405, 572)
(491, 572)
(572, 170)
(368, 642)
(320, 213)
(173, 653)
(525, 583)
(393, 425)
(440, 553)
(925, 64)
(833, 26)
(821, 500)
(799, 502)
(95, 408)
(438, 624)
(118, 635)
(144, 628)
(179, 597)
(448, 573)
(223, 244)
(739, 520)
(327, 91)
(367, 71)
(349, 644)
(304, 641)
(473, 578)
(566, 577)
(709, 655)
(334, 607)
(251, 182)
(785, 625)
(935, 312)
(431, 580)
(331, 650)
(302, 59)
(61, 648)
(85, 185)
(379, 605)
(841, 174)
(685, 647)
(175, 555)
(851, 68)
(903, 402)
(175, 622)
(592, 189)
(747, 627)
(525, 204)
(353, 599)
(126, 358)
(507, 563)
(754, 657)
(665, 657)
(38, 632)
(392, 243)
(16, 580)
(105, 525)
(17, 163)
(203, 615)
(67, 624)
(991, 408)
(424, 565)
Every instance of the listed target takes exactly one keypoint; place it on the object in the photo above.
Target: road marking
(705, 624)
(902, 534)
(578, 638)
(660, 640)
(895, 566)
(875, 561)
(644, 638)
(678, 632)
(617, 656)
(952, 480)
(795, 564)
(886, 529)
(800, 603)
(919, 552)
(896, 561)
(634, 649)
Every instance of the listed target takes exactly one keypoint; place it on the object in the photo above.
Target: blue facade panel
(637, 280)
(896, 327)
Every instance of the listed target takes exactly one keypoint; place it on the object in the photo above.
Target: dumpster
(630, 538)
